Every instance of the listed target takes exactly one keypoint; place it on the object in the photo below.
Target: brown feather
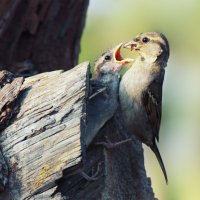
(152, 101)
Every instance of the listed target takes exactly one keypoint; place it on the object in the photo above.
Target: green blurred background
(110, 22)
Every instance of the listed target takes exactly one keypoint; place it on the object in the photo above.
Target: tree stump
(44, 138)
(42, 152)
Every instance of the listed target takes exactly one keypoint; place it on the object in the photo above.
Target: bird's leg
(110, 145)
(95, 176)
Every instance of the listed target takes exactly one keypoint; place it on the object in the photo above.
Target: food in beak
(130, 45)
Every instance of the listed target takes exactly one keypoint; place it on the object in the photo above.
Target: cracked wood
(44, 138)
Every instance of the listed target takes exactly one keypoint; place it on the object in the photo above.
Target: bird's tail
(155, 149)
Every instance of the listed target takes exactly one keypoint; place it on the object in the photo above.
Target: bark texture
(44, 138)
(40, 35)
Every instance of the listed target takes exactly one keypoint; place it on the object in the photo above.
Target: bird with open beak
(103, 101)
(110, 62)
(140, 92)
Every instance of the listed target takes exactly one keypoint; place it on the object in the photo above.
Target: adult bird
(103, 100)
(140, 90)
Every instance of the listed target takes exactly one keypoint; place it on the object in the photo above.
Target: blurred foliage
(110, 22)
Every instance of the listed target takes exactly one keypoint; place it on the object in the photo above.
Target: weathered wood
(5, 77)
(40, 35)
(8, 95)
(44, 138)
(42, 147)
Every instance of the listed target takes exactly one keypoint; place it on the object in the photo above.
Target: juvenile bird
(140, 90)
(103, 101)
(110, 63)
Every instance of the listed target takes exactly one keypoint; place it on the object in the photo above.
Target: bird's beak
(132, 45)
(118, 58)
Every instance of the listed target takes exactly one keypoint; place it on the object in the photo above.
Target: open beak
(118, 58)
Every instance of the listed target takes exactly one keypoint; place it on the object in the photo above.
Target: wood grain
(44, 138)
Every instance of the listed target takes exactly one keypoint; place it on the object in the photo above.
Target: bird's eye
(145, 40)
(107, 57)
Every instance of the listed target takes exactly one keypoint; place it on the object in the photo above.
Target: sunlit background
(110, 22)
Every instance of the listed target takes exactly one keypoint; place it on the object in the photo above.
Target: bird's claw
(95, 176)
(110, 145)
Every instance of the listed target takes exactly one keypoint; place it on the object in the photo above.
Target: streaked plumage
(140, 90)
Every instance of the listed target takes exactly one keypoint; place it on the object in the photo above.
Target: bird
(110, 62)
(103, 100)
(140, 90)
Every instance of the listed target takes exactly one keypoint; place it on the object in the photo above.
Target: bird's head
(111, 61)
(152, 46)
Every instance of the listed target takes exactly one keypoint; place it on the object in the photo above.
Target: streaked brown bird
(140, 90)
(103, 101)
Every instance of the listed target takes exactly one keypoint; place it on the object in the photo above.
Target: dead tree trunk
(40, 35)
(44, 138)
(41, 148)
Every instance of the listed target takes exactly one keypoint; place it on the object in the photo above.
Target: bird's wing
(97, 88)
(101, 106)
(152, 101)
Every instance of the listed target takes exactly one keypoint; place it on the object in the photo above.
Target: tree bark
(44, 138)
(40, 35)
